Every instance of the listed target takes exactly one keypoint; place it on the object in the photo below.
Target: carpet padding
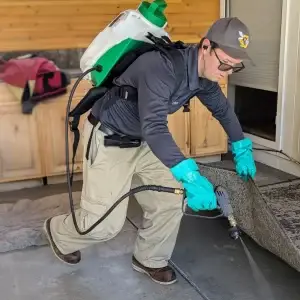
(284, 202)
(268, 215)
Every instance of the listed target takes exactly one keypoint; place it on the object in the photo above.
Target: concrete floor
(104, 273)
(209, 265)
(220, 267)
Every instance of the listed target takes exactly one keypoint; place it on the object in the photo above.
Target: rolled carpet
(269, 215)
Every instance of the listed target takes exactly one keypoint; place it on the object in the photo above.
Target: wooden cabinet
(179, 126)
(207, 135)
(20, 152)
(52, 135)
(51, 120)
(33, 145)
(197, 133)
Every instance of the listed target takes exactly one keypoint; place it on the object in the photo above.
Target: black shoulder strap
(179, 68)
(170, 49)
(81, 108)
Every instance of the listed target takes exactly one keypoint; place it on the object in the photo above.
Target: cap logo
(243, 39)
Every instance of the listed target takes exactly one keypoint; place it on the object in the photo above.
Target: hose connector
(232, 221)
(234, 231)
(227, 211)
(178, 191)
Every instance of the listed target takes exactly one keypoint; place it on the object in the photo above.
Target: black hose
(279, 152)
(138, 189)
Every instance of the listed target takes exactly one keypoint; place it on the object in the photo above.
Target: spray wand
(224, 207)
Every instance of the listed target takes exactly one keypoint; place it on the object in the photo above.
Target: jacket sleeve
(216, 102)
(155, 82)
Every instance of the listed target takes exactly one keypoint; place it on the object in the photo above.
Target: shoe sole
(140, 270)
(51, 244)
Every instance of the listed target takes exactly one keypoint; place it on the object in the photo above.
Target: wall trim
(223, 5)
(276, 160)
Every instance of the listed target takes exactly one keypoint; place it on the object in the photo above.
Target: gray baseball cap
(232, 36)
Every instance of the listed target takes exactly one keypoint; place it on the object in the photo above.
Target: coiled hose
(156, 188)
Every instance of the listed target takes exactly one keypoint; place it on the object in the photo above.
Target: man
(108, 171)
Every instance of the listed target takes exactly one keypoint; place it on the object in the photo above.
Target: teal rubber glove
(199, 191)
(243, 158)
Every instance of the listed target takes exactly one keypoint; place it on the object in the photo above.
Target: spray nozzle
(227, 211)
(234, 233)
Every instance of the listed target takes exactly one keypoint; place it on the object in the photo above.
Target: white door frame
(282, 122)
(224, 12)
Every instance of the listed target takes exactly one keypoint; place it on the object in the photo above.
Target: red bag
(37, 77)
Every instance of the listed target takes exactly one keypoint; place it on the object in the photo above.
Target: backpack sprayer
(132, 33)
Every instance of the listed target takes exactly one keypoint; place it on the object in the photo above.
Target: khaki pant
(107, 175)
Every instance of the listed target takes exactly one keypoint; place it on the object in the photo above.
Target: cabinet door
(179, 126)
(52, 135)
(207, 135)
(52, 118)
(19, 146)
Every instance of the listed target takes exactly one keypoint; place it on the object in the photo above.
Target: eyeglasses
(226, 67)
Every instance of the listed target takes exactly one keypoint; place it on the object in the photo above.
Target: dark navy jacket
(153, 76)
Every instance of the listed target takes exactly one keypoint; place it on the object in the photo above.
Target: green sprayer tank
(126, 32)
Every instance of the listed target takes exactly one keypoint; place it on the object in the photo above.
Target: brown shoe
(72, 258)
(165, 275)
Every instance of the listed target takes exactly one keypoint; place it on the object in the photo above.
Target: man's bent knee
(106, 230)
